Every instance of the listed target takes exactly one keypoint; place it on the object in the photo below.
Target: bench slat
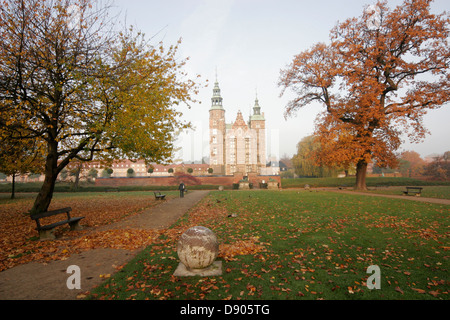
(158, 195)
(415, 190)
(50, 213)
(73, 222)
(59, 223)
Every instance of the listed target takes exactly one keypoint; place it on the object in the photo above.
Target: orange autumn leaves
(240, 247)
(371, 83)
(209, 214)
(19, 242)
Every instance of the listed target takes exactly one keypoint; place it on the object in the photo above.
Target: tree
(376, 81)
(106, 173)
(75, 171)
(130, 173)
(411, 164)
(93, 173)
(190, 170)
(19, 158)
(304, 161)
(439, 169)
(82, 91)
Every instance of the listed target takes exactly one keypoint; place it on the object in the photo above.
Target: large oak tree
(82, 90)
(377, 78)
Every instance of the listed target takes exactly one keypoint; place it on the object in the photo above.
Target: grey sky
(249, 41)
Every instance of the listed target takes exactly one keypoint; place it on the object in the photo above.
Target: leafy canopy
(376, 81)
(81, 90)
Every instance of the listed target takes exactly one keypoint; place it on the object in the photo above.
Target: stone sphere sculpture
(198, 248)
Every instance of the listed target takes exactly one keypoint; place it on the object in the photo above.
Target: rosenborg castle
(239, 146)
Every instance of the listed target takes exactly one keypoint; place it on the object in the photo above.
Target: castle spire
(256, 108)
(216, 100)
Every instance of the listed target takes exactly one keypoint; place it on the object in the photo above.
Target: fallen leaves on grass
(19, 241)
(240, 247)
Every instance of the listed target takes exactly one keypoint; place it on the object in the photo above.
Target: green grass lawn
(440, 192)
(312, 245)
(350, 182)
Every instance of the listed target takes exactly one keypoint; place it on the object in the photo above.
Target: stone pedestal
(272, 185)
(215, 269)
(244, 185)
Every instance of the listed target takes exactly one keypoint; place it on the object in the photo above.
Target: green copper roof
(216, 100)
(256, 111)
(256, 117)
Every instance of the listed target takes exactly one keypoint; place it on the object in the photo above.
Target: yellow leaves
(113, 91)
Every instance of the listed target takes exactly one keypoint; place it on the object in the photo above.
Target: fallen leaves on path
(127, 239)
(19, 240)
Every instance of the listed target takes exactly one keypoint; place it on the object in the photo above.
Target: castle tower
(217, 129)
(258, 123)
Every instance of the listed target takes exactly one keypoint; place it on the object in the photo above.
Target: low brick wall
(187, 179)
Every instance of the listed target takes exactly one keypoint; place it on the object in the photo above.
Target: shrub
(130, 172)
(106, 173)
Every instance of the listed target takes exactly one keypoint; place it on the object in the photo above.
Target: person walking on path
(181, 187)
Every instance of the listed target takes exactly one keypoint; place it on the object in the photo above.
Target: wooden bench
(158, 195)
(417, 191)
(46, 231)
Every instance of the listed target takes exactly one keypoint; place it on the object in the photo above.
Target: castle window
(214, 140)
(247, 143)
(214, 131)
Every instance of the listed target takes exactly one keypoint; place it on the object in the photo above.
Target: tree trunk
(45, 195)
(361, 171)
(77, 177)
(13, 186)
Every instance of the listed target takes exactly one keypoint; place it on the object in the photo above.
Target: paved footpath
(37, 281)
(412, 198)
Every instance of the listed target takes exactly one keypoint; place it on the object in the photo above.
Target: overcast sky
(249, 42)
